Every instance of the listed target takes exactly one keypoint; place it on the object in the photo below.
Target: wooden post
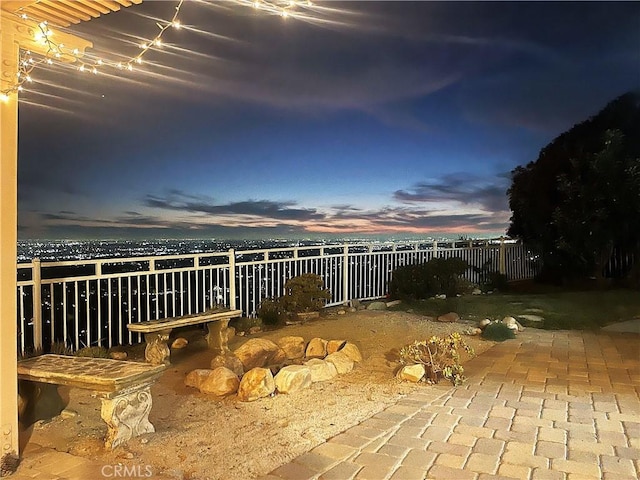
(9, 450)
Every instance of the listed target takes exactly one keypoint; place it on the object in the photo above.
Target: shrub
(270, 312)
(439, 355)
(94, 352)
(303, 293)
(438, 275)
(498, 332)
(490, 279)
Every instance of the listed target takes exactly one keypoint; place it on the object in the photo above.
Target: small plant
(304, 293)
(439, 355)
(438, 275)
(491, 279)
(498, 332)
(93, 352)
(270, 312)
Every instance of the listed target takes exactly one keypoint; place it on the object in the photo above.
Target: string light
(57, 51)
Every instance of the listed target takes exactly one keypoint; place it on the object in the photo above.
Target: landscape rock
(195, 377)
(377, 306)
(476, 291)
(335, 345)
(321, 370)
(220, 383)
(179, 343)
(259, 352)
(351, 351)
(229, 361)
(412, 373)
(68, 413)
(449, 317)
(317, 348)
(509, 321)
(256, 383)
(473, 331)
(293, 347)
(532, 318)
(393, 303)
(255, 329)
(483, 323)
(118, 355)
(341, 361)
(441, 296)
(355, 303)
(293, 378)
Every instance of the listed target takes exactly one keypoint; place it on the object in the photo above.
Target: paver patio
(547, 405)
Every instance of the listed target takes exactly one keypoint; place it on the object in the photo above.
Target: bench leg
(218, 336)
(126, 414)
(157, 351)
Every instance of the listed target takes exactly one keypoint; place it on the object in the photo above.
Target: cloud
(178, 201)
(463, 188)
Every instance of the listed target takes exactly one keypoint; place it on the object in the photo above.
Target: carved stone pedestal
(218, 336)
(157, 350)
(126, 414)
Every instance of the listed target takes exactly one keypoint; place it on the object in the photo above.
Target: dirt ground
(203, 437)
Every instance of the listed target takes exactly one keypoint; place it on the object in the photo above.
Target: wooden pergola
(18, 26)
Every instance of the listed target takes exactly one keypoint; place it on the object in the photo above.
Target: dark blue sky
(394, 118)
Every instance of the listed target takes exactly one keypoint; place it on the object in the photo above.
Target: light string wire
(27, 61)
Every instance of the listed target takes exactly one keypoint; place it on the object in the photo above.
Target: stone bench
(156, 332)
(123, 387)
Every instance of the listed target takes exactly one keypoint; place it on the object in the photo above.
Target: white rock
(118, 355)
(441, 296)
(509, 321)
(293, 378)
(393, 303)
(412, 373)
(179, 343)
(221, 382)
(317, 348)
(321, 370)
(341, 361)
(351, 351)
(256, 383)
(476, 291)
(195, 377)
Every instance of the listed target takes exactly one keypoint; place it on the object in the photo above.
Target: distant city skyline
(390, 118)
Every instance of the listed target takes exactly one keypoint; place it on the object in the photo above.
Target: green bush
(94, 352)
(437, 276)
(303, 293)
(440, 357)
(498, 332)
(271, 312)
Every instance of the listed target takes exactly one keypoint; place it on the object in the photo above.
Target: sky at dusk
(363, 118)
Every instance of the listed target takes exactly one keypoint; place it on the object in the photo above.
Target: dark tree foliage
(581, 198)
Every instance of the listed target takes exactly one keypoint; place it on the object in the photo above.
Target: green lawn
(580, 310)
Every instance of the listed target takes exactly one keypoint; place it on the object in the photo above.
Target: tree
(581, 198)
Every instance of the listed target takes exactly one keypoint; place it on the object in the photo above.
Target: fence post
(37, 304)
(345, 274)
(502, 265)
(232, 279)
(435, 249)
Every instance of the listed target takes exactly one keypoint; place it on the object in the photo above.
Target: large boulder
(229, 361)
(335, 345)
(351, 351)
(321, 370)
(317, 348)
(293, 378)
(256, 383)
(293, 347)
(221, 382)
(259, 352)
(195, 377)
(341, 361)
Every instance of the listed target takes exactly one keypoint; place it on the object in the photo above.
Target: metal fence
(87, 303)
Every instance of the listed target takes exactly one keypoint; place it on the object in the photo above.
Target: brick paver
(547, 405)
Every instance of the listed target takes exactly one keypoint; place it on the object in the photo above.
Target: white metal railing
(83, 303)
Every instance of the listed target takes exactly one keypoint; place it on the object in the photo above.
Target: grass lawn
(578, 310)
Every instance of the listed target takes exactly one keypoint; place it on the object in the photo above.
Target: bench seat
(123, 387)
(156, 332)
